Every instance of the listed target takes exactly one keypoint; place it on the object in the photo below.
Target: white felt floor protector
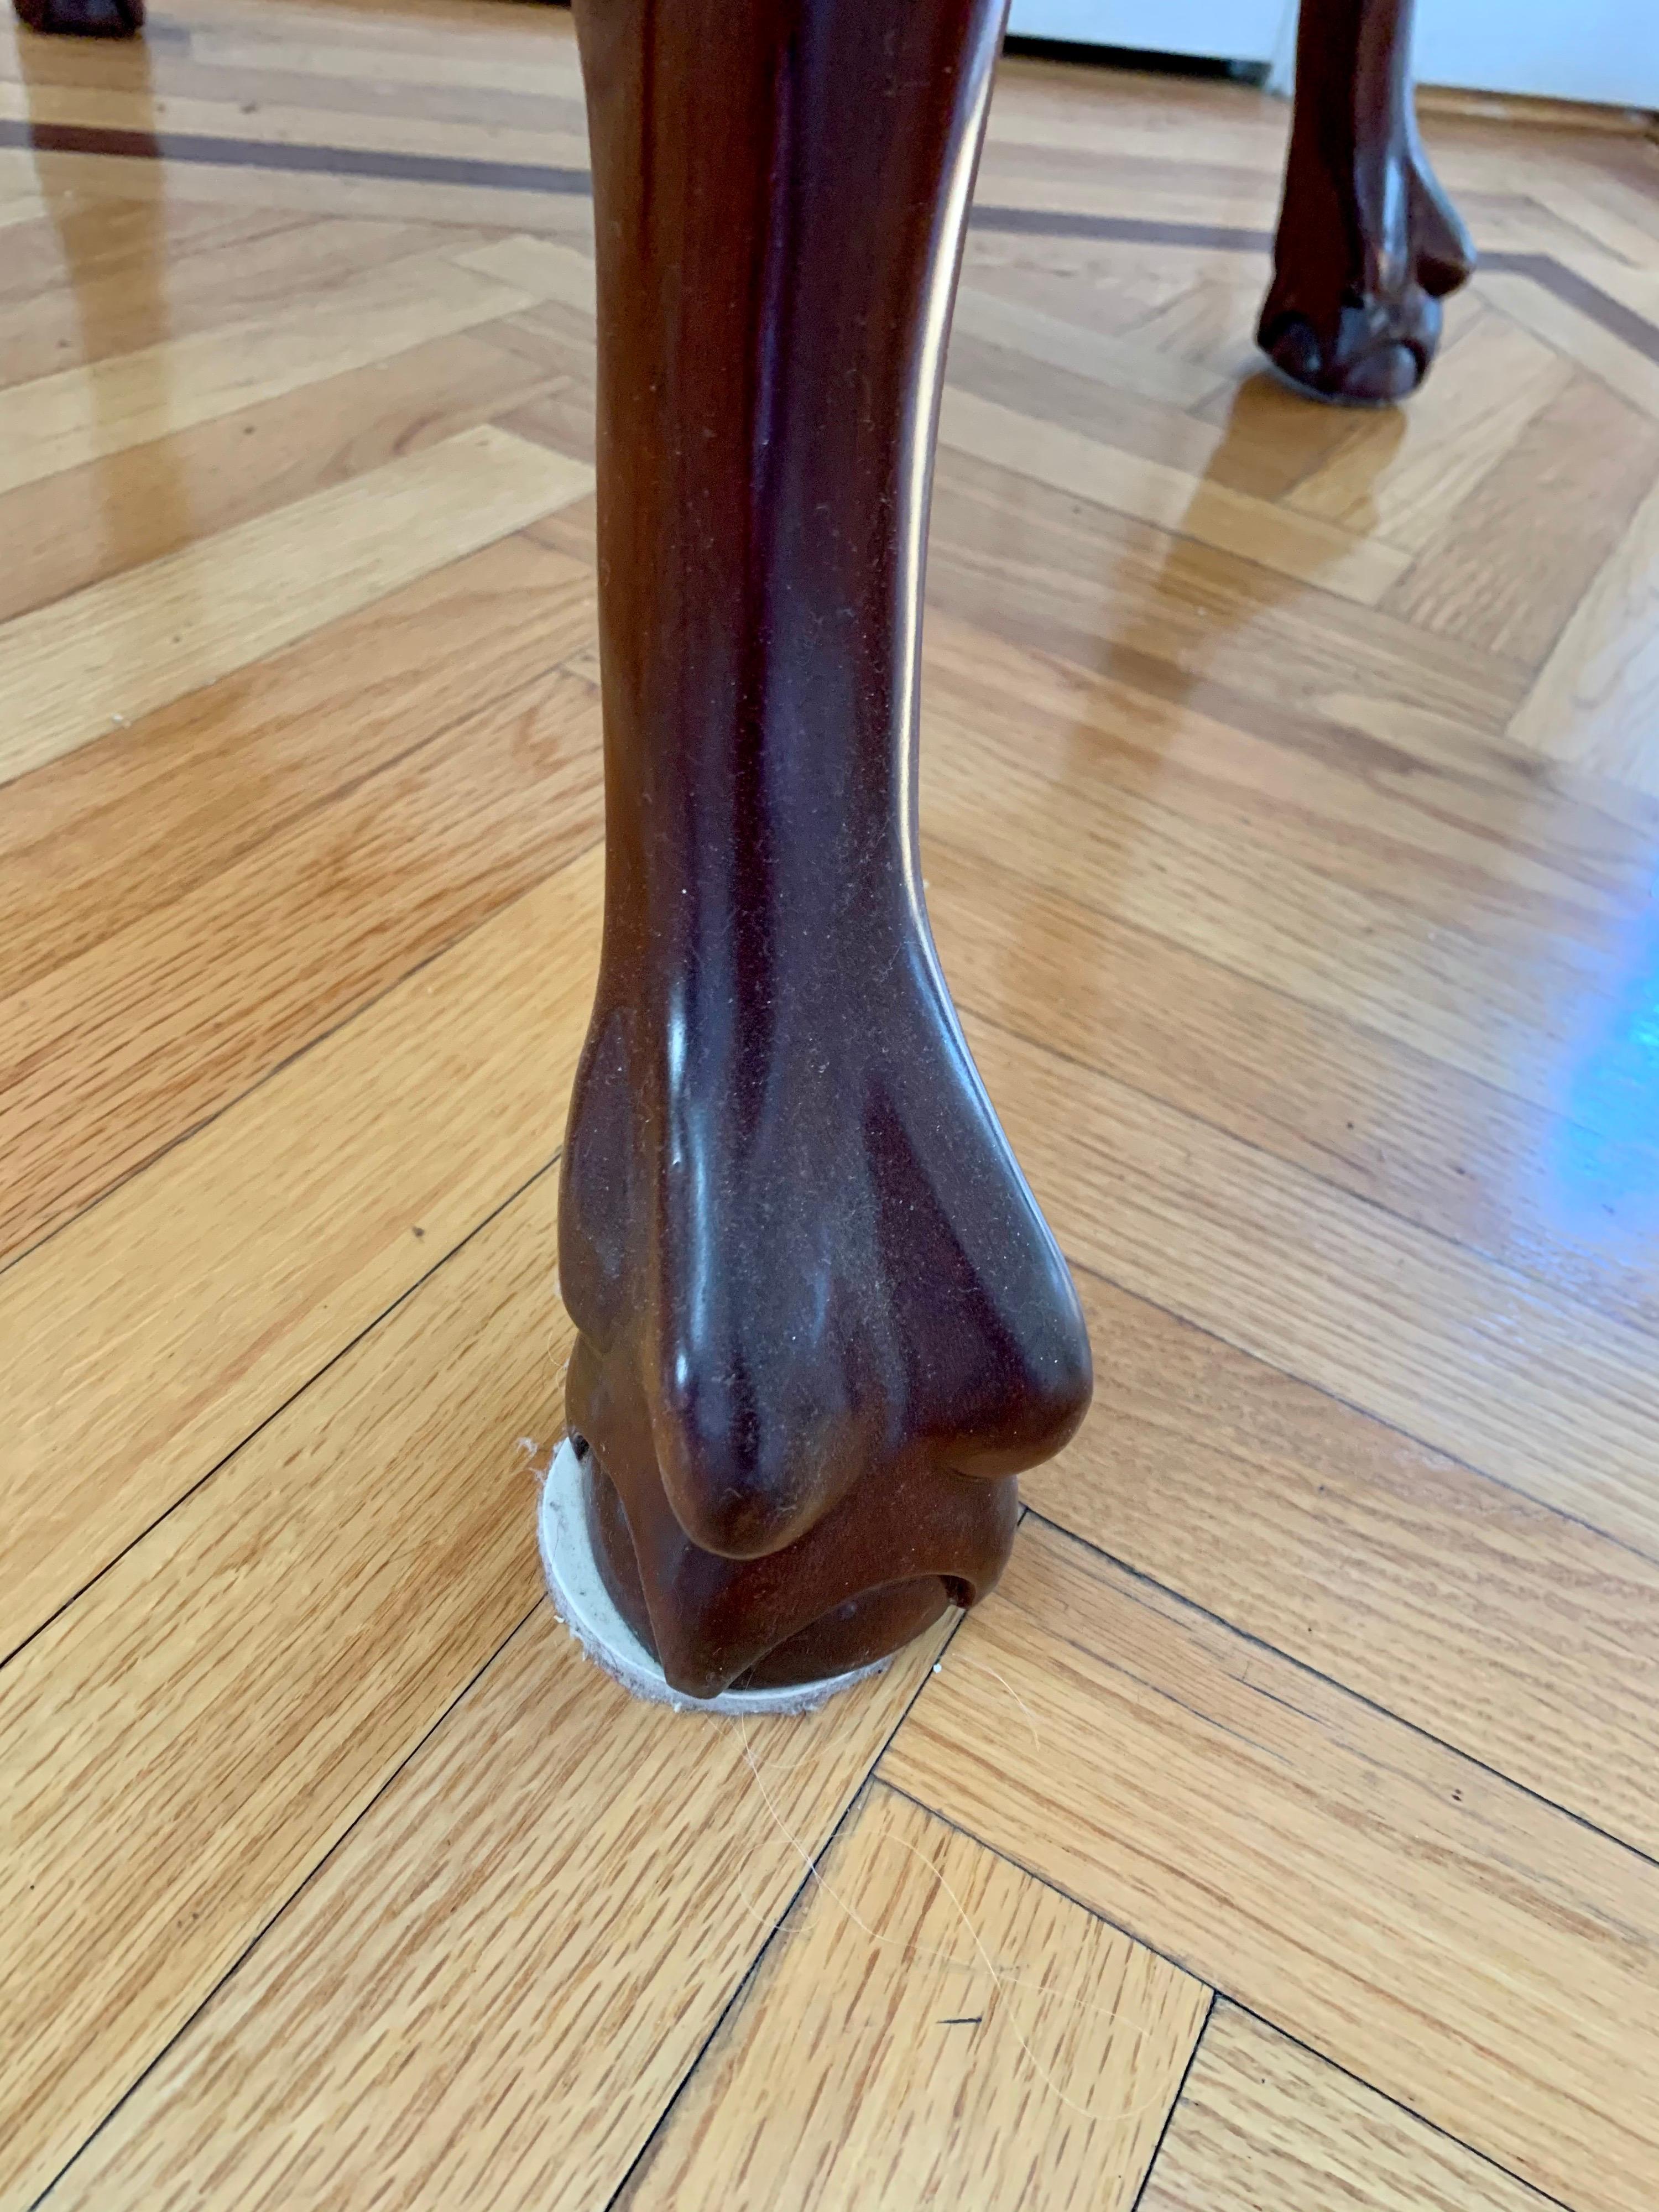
(588, 1611)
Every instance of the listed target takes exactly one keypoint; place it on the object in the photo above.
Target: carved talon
(1368, 243)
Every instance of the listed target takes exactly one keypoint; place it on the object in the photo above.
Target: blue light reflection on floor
(1605, 1170)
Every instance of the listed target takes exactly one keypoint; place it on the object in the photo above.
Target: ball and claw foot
(823, 1327)
(1368, 243)
(1372, 342)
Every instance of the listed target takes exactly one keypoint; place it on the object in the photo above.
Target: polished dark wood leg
(1368, 242)
(822, 1323)
(84, 19)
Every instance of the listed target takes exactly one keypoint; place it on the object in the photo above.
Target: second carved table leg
(822, 1324)
(1368, 242)
(84, 19)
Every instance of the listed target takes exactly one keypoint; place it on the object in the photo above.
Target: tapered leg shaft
(822, 1324)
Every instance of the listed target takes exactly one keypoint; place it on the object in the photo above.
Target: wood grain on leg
(821, 1325)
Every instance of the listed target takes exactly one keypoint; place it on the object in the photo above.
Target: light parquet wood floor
(1284, 1833)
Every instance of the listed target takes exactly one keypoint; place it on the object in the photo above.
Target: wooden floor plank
(1206, 323)
(1510, 1008)
(1572, 1203)
(1453, 826)
(18, 208)
(1120, 364)
(1524, 1640)
(1034, 567)
(61, 421)
(125, 647)
(307, 192)
(1593, 704)
(1053, 396)
(1266, 443)
(550, 68)
(1262, 2122)
(557, 341)
(280, 1229)
(1402, 474)
(118, 1053)
(1564, 326)
(158, 294)
(1040, 108)
(1103, 285)
(1495, 579)
(113, 108)
(1152, 491)
(78, 243)
(1479, 1957)
(182, 1747)
(75, 530)
(885, 2051)
(1029, 166)
(450, 2013)
(544, 266)
(1161, 194)
(109, 833)
(1497, 1371)
(337, 104)
(1603, 210)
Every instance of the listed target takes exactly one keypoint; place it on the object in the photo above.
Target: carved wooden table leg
(1368, 242)
(822, 1323)
(85, 19)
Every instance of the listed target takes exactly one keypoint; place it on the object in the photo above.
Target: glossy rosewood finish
(1368, 242)
(85, 19)
(821, 1322)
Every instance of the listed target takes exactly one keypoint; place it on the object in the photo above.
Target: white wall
(1601, 50)
(1596, 50)
(1233, 30)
